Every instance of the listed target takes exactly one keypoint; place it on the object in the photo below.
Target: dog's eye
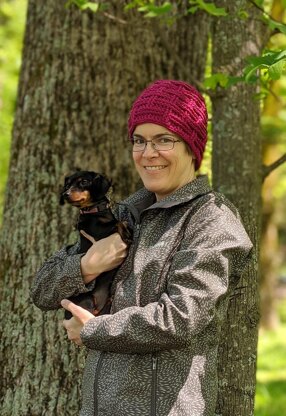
(84, 182)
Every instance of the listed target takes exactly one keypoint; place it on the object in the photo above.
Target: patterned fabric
(156, 353)
(177, 106)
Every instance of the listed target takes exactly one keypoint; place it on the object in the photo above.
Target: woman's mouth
(160, 167)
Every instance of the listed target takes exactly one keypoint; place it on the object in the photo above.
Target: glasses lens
(138, 144)
(163, 143)
(159, 143)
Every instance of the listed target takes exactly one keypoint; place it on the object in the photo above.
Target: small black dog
(87, 190)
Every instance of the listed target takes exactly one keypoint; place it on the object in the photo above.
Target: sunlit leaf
(281, 55)
(273, 24)
(133, 4)
(151, 10)
(215, 80)
(207, 7)
(258, 2)
(92, 6)
(276, 70)
(243, 14)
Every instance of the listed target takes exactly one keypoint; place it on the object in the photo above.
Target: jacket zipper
(154, 385)
(95, 388)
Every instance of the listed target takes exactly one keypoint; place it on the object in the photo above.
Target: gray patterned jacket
(156, 353)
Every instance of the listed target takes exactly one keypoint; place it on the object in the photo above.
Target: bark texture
(237, 172)
(80, 73)
(270, 259)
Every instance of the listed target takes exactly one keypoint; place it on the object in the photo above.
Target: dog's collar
(102, 206)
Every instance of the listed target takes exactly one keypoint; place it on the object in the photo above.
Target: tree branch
(114, 18)
(258, 7)
(266, 170)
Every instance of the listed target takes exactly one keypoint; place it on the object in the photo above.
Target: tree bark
(80, 73)
(270, 259)
(237, 172)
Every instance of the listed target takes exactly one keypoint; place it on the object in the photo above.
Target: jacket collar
(144, 199)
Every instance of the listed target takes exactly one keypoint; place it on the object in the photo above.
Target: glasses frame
(154, 145)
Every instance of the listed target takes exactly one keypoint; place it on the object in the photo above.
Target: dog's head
(84, 188)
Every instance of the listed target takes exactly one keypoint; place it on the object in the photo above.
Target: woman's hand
(76, 323)
(105, 254)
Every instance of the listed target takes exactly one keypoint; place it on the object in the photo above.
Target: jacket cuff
(74, 276)
(87, 334)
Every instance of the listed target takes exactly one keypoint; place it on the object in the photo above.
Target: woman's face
(162, 172)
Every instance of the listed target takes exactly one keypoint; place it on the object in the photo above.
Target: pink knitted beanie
(177, 106)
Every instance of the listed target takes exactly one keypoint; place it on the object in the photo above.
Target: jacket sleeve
(208, 260)
(59, 278)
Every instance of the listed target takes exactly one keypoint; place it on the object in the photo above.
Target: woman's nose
(149, 150)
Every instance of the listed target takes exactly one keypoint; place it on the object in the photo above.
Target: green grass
(270, 397)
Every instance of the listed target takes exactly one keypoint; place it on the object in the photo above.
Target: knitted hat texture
(177, 106)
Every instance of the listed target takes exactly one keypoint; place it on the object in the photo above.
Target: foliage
(12, 18)
(207, 7)
(152, 10)
(87, 5)
(271, 63)
(271, 371)
(266, 68)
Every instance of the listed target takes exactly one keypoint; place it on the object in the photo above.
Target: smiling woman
(156, 352)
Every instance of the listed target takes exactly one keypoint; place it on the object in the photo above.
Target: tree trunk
(80, 73)
(237, 172)
(270, 259)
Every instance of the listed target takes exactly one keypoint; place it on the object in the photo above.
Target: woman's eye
(165, 139)
(138, 141)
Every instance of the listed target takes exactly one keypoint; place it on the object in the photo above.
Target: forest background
(270, 397)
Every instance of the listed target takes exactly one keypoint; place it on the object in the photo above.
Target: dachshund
(87, 191)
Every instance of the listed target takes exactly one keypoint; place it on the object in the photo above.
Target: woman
(156, 353)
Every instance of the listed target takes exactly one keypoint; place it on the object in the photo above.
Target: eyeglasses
(158, 143)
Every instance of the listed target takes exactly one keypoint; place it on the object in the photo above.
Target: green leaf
(214, 11)
(193, 9)
(85, 5)
(281, 55)
(208, 7)
(79, 3)
(134, 4)
(243, 14)
(276, 25)
(233, 81)
(266, 59)
(276, 70)
(259, 2)
(92, 6)
(151, 10)
(250, 72)
(216, 80)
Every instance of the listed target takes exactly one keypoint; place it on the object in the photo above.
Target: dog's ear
(102, 184)
(106, 184)
(62, 190)
(62, 199)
